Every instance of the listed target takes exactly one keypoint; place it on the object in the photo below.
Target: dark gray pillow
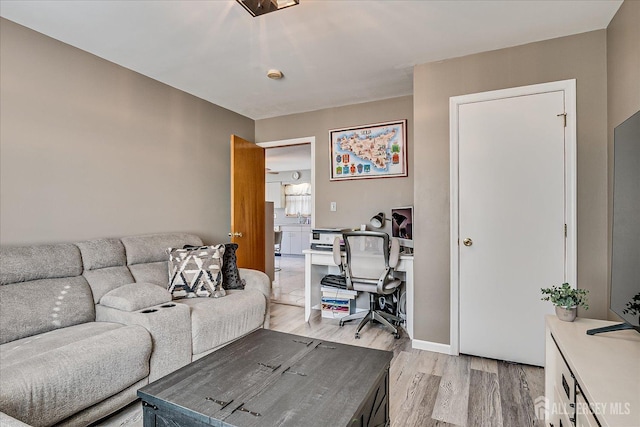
(230, 274)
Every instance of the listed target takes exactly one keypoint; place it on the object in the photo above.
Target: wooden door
(248, 203)
(511, 222)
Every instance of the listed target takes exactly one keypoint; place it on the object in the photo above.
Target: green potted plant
(566, 299)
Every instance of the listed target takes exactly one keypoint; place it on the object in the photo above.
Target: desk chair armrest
(385, 279)
(337, 255)
(394, 252)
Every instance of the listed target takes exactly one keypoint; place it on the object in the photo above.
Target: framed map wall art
(369, 151)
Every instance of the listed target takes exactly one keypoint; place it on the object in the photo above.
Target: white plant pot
(567, 314)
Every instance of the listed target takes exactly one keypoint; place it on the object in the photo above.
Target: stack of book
(337, 303)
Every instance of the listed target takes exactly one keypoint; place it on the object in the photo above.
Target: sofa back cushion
(105, 265)
(25, 263)
(147, 255)
(41, 290)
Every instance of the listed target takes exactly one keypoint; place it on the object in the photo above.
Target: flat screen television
(625, 244)
(402, 226)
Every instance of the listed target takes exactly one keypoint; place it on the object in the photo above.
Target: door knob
(467, 242)
(236, 234)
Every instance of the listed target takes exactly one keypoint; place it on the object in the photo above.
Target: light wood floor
(288, 286)
(433, 389)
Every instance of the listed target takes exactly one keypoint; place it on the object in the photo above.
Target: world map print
(373, 151)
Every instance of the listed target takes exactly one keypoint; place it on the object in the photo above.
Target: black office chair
(368, 267)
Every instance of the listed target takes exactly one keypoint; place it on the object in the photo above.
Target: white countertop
(293, 227)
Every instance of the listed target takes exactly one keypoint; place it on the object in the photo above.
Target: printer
(322, 238)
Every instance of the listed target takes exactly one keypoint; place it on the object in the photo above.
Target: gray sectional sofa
(84, 325)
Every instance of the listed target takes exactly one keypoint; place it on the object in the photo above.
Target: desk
(317, 264)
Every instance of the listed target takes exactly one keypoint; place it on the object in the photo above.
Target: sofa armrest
(259, 281)
(169, 325)
(135, 296)
(9, 421)
(255, 279)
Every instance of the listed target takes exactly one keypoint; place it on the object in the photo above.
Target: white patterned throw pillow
(196, 272)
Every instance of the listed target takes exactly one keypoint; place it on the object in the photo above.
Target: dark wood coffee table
(271, 378)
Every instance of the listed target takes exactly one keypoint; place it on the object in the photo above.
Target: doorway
(290, 177)
(513, 223)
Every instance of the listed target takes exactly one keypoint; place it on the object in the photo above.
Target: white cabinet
(590, 380)
(584, 415)
(295, 239)
(296, 244)
(275, 193)
(286, 242)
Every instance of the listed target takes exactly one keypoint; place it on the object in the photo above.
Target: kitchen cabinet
(286, 242)
(295, 239)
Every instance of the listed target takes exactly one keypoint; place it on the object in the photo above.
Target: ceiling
(289, 158)
(332, 52)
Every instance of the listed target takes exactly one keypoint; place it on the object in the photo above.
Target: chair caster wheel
(357, 336)
(396, 336)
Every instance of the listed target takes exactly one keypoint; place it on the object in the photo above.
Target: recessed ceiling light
(260, 7)
(274, 74)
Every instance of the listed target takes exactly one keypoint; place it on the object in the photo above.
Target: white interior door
(511, 208)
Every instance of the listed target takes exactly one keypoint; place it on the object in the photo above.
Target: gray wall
(582, 57)
(623, 77)
(357, 200)
(91, 149)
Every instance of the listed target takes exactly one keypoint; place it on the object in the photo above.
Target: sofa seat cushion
(217, 321)
(49, 377)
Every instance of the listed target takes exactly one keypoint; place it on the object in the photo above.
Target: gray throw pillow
(196, 271)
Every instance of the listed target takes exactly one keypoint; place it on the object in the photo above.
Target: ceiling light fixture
(274, 74)
(260, 7)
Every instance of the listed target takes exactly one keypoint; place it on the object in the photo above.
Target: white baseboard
(431, 346)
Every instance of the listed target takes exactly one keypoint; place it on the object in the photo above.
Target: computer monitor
(402, 225)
